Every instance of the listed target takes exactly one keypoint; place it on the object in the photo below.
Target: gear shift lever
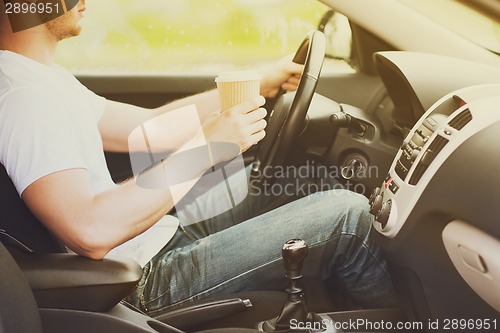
(294, 252)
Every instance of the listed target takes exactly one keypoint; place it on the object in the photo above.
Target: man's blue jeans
(233, 252)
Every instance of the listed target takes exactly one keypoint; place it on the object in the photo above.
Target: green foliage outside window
(184, 35)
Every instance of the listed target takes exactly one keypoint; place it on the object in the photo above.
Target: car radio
(440, 131)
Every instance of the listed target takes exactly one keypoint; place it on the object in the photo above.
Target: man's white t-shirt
(48, 123)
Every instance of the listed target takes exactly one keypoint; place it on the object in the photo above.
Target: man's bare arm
(93, 224)
(120, 119)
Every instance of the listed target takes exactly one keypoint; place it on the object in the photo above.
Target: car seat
(18, 225)
(19, 311)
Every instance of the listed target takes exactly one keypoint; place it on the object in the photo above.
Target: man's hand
(285, 74)
(242, 125)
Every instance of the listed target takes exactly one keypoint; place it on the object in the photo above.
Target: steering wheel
(288, 115)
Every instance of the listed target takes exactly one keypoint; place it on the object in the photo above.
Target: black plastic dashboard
(415, 81)
(436, 212)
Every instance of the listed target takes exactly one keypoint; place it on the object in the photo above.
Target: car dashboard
(436, 212)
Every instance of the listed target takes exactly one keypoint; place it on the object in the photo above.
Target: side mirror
(338, 33)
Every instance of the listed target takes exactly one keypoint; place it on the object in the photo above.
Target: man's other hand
(284, 74)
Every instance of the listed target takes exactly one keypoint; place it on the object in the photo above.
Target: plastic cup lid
(237, 76)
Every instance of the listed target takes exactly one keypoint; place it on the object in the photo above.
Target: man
(52, 135)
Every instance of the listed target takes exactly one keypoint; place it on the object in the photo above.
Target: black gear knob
(294, 252)
(294, 309)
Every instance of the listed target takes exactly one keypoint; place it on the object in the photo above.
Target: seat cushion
(18, 309)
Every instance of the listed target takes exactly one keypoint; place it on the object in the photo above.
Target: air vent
(462, 119)
(427, 157)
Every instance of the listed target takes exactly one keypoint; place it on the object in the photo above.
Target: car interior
(414, 129)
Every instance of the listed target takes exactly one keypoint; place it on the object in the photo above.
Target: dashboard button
(393, 187)
(383, 215)
(374, 194)
(376, 205)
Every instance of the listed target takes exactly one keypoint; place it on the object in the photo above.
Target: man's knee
(342, 199)
(357, 217)
(347, 208)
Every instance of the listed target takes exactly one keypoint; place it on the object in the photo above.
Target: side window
(188, 35)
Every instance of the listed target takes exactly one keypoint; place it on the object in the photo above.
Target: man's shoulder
(26, 102)
(18, 72)
(20, 83)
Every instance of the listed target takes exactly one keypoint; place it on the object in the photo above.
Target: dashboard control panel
(412, 148)
(440, 131)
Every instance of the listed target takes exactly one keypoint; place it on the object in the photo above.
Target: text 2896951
(32, 8)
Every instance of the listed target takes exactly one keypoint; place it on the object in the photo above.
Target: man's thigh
(248, 256)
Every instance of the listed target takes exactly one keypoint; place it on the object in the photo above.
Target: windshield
(188, 35)
(469, 21)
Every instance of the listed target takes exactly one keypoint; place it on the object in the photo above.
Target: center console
(439, 132)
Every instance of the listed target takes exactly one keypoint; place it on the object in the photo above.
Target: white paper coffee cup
(237, 87)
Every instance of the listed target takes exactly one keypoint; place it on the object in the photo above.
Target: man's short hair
(2, 11)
